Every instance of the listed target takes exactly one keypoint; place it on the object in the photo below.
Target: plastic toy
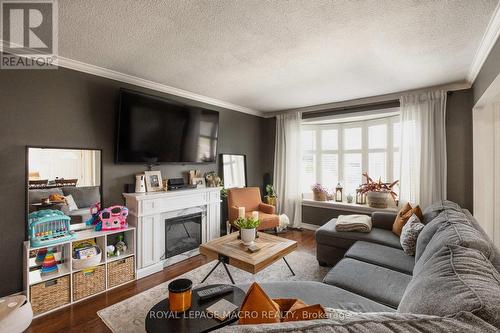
(49, 264)
(120, 246)
(48, 227)
(40, 256)
(114, 218)
(111, 218)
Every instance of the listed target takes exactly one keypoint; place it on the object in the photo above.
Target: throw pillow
(71, 203)
(403, 217)
(410, 233)
(258, 308)
(398, 223)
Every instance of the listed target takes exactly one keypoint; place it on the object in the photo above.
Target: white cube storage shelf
(33, 276)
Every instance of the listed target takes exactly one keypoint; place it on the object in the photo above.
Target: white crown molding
(487, 42)
(134, 80)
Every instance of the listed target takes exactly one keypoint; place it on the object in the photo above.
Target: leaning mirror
(68, 180)
(234, 173)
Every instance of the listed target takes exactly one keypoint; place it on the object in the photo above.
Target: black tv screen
(156, 130)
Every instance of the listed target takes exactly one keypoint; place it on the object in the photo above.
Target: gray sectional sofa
(452, 284)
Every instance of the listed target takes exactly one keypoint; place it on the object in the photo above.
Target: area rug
(129, 315)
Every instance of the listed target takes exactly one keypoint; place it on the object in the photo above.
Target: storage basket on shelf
(50, 294)
(121, 271)
(86, 254)
(88, 262)
(89, 282)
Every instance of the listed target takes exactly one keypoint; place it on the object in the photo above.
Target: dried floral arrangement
(373, 186)
(318, 188)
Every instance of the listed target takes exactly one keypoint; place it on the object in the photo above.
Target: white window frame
(389, 150)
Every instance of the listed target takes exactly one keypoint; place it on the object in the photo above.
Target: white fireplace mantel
(148, 211)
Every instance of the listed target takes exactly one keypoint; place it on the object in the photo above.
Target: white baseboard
(155, 268)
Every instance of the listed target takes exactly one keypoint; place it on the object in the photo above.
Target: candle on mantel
(255, 214)
(241, 212)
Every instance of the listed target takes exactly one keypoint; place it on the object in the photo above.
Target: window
(341, 152)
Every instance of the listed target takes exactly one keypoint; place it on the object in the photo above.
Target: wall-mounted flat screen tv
(157, 130)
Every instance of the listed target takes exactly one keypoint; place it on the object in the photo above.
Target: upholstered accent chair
(249, 197)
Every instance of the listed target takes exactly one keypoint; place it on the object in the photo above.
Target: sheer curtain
(423, 148)
(287, 166)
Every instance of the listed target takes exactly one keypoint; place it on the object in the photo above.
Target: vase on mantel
(377, 199)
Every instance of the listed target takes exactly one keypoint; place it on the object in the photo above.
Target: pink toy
(95, 208)
(114, 217)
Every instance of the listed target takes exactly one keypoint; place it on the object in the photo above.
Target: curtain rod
(351, 109)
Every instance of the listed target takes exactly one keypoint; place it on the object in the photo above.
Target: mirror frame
(221, 166)
(26, 175)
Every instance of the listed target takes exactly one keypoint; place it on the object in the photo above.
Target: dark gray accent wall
(459, 156)
(72, 109)
(488, 73)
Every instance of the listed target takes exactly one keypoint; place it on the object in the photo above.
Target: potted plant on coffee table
(377, 193)
(248, 228)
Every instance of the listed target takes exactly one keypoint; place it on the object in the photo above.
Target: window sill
(344, 206)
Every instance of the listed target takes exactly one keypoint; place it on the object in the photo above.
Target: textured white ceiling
(278, 54)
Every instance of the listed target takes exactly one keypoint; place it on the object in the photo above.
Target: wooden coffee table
(229, 250)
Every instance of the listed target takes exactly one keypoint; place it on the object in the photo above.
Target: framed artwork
(199, 182)
(154, 182)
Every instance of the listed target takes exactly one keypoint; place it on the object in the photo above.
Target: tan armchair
(249, 197)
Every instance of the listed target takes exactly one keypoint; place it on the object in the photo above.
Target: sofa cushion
(382, 255)
(409, 235)
(84, 196)
(327, 234)
(454, 231)
(432, 211)
(495, 256)
(36, 196)
(456, 279)
(377, 283)
(316, 292)
(342, 321)
(426, 234)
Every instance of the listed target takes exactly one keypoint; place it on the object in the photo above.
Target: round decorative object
(158, 319)
(377, 199)
(180, 295)
(248, 236)
(349, 198)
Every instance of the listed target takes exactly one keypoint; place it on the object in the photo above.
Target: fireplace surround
(150, 213)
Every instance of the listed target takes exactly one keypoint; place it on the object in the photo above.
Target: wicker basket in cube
(121, 271)
(50, 294)
(89, 282)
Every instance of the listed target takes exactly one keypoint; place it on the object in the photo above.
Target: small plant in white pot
(248, 228)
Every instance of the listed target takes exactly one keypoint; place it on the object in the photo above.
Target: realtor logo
(29, 34)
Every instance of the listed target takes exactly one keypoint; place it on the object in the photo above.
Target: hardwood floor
(82, 317)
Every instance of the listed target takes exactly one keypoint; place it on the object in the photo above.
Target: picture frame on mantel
(154, 182)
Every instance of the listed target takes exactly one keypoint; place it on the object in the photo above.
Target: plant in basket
(378, 192)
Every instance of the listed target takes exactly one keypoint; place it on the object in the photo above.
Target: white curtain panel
(423, 148)
(287, 166)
